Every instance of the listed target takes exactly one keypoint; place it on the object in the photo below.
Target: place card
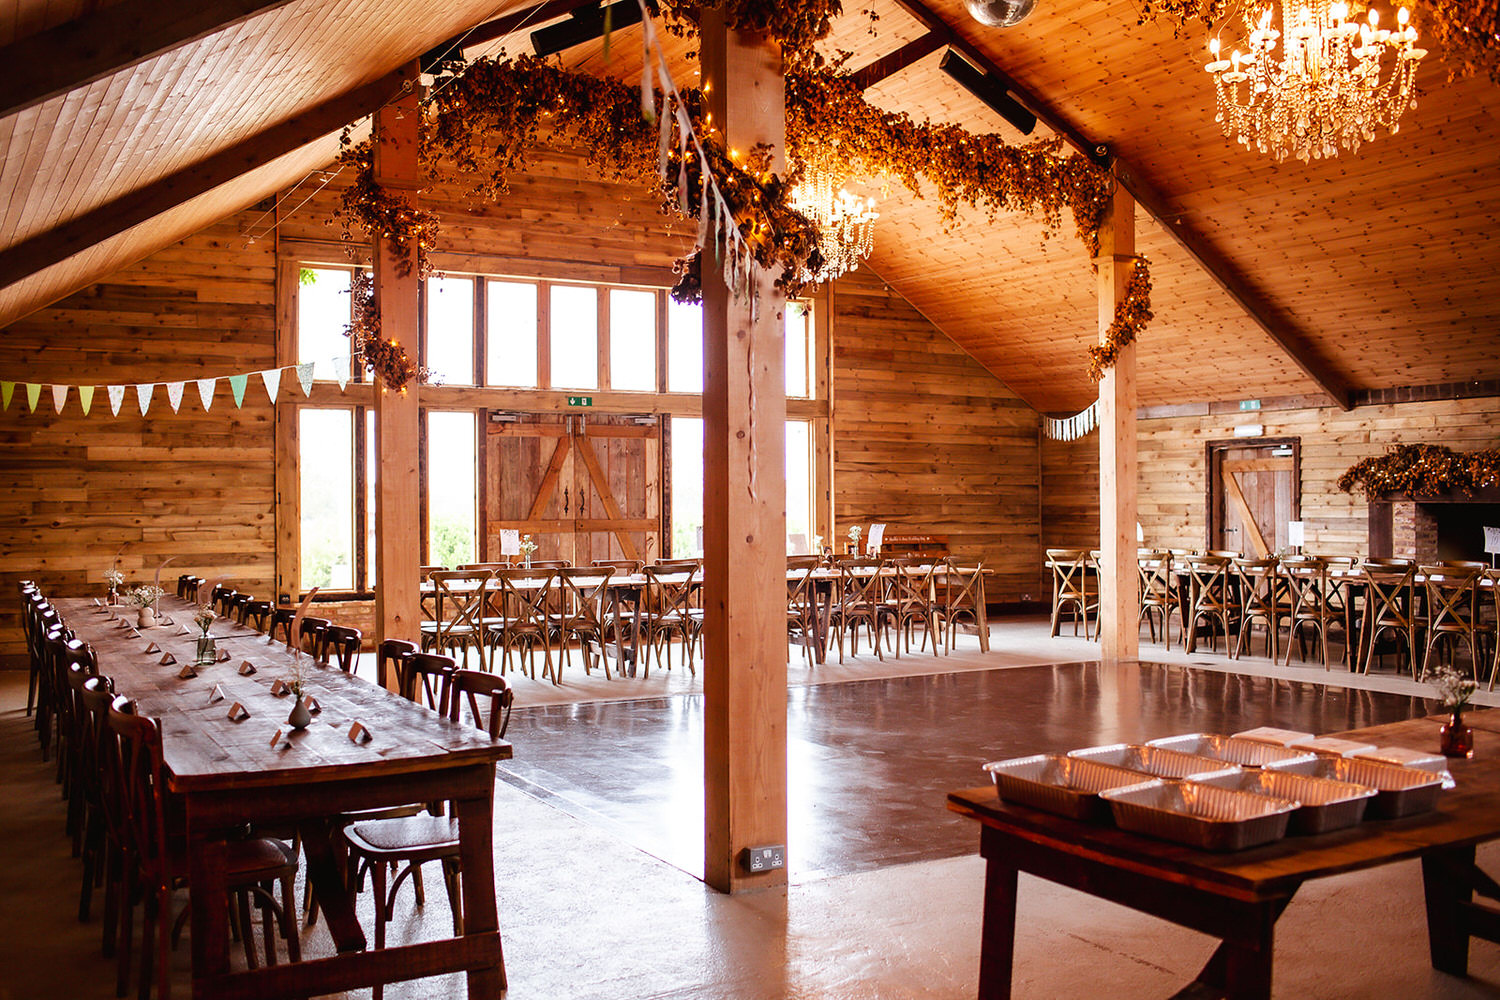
(187, 672)
(223, 656)
(279, 741)
(311, 704)
(247, 668)
(98, 603)
(167, 659)
(359, 734)
(182, 630)
(122, 623)
(167, 621)
(217, 694)
(237, 713)
(279, 687)
(152, 648)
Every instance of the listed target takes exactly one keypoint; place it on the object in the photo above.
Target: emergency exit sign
(1249, 404)
(580, 400)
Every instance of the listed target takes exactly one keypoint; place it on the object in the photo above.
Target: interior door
(584, 487)
(1253, 494)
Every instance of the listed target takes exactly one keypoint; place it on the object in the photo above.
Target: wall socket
(763, 859)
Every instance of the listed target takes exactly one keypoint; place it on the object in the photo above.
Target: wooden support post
(397, 531)
(1119, 581)
(744, 500)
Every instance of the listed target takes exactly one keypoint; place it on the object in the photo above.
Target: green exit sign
(580, 400)
(1249, 404)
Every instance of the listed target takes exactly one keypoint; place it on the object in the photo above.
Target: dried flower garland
(796, 26)
(1131, 316)
(404, 227)
(1419, 470)
(385, 358)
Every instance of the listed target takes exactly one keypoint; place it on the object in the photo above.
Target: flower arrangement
(1453, 687)
(527, 546)
(114, 578)
(144, 597)
(854, 532)
(205, 618)
(1423, 470)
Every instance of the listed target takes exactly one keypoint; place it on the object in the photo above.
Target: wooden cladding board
(927, 441)
(1173, 475)
(194, 485)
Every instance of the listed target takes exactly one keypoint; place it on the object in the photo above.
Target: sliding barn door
(584, 487)
(1253, 494)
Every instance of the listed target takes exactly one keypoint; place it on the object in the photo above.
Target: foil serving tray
(1230, 749)
(1322, 804)
(1156, 761)
(1402, 757)
(1273, 736)
(1400, 791)
(1330, 746)
(1057, 783)
(1200, 815)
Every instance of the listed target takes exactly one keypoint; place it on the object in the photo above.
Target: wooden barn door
(584, 488)
(1254, 490)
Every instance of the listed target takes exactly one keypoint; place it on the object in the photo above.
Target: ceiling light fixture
(845, 222)
(1323, 91)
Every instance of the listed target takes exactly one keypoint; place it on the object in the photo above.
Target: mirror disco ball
(1000, 13)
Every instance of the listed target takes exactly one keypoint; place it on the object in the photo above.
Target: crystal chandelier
(845, 222)
(1323, 91)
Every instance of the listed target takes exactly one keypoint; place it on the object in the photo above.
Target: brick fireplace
(1433, 528)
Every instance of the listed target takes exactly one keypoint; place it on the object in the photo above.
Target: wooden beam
(1119, 580)
(890, 65)
(94, 227)
(744, 500)
(397, 417)
(500, 27)
(107, 40)
(1265, 314)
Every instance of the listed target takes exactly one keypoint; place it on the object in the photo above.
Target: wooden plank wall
(1173, 475)
(929, 442)
(194, 485)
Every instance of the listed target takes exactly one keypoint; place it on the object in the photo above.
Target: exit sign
(580, 400)
(1249, 404)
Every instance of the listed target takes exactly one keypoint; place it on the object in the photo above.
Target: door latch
(565, 499)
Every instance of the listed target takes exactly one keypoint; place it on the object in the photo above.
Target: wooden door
(1254, 491)
(584, 487)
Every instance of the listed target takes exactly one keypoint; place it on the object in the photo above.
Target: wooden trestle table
(228, 774)
(1237, 897)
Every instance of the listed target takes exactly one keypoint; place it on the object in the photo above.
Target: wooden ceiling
(1367, 271)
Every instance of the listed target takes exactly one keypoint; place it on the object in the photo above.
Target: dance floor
(869, 762)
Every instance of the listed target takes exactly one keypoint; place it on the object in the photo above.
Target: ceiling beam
(500, 27)
(1264, 313)
(76, 235)
(895, 62)
(109, 39)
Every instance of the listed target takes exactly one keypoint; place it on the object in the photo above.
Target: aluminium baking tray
(1199, 815)
(1400, 791)
(1057, 783)
(1332, 746)
(1274, 736)
(1402, 757)
(1230, 749)
(1322, 805)
(1156, 761)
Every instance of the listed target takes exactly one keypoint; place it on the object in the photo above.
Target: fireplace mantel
(1400, 528)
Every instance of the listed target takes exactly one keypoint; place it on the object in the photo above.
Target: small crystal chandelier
(1323, 91)
(845, 222)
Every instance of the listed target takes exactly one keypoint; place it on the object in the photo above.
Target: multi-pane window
(510, 352)
(799, 341)
(327, 498)
(322, 317)
(684, 347)
(452, 488)
(450, 330)
(687, 486)
(574, 330)
(632, 340)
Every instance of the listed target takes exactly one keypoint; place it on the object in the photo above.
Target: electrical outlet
(1025, 597)
(763, 859)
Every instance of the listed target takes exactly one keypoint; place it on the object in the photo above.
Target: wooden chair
(671, 610)
(802, 604)
(1158, 592)
(1492, 578)
(621, 567)
(281, 621)
(520, 619)
(257, 615)
(194, 586)
(423, 677)
(912, 600)
(1211, 602)
(411, 841)
(580, 617)
(340, 645)
(861, 602)
(959, 598)
(310, 635)
(94, 695)
(1315, 605)
(392, 653)
(1070, 588)
(222, 600)
(1261, 601)
(459, 600)
(237, 605)
(1389, 607)
(1452, 611)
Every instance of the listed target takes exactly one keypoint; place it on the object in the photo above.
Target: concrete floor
(585, 914)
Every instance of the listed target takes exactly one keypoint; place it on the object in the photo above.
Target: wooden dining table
(229, 773)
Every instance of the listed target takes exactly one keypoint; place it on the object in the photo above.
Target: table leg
(998, 945)
(477, 865)
(209, 902)
(824, 589)
(1241, 967)
(1448, 889)
(326, 874)
(981, 615)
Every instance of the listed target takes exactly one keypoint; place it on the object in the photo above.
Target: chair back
(622, 567)
(488, 697)
(675, 565)
(799, 581)
(1389, 592)
(222, 600)
(861, 586)
(340, 645)
(424, 677)
(257, 615)
(580, 599)
(912, 588)
(672, 589)
(1308, 583)
(1210, 578)
(524, 599)
(1157, 582)
(960, 590)
(310, 636)
(486, 567)
(1224, 553)
(1260, 587)
(1452, 598)
(392, 653)
(1069, 572)
(138, 777)
(457, 606)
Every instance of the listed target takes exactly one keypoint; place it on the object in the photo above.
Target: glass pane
(799, 499)
(687, 487)
(684, 347)
(511, 354)
(798, 338)
(322, 317)
(575, 337)
(632, 340)
(327, 468)
(450, 329)
(452, 488)
(371, 467)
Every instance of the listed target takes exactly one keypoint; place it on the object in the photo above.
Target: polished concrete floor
(589, 908)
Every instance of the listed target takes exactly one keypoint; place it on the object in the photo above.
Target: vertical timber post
(744, 498)
(1119, 580)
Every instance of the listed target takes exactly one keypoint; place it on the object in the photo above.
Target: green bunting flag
(33, 393)
(237, 385)
(85, 398)
(7, 390)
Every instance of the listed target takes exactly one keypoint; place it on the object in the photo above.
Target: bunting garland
(1074, 427)
(59, 397)
(7, 390)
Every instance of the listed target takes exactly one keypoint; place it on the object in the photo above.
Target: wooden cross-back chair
(1158, 592)
(1390, 610)
(961, 593)
(520, 620)
(1211, 601)
(912, 599)
(861, 602)
(94, 697)
(802, 603)
(1452, 611)
(1492, 578)
(1070, 588)
(458, 602)
(1316, 604)
(670, 610)
(580, 613)
(1262, 600)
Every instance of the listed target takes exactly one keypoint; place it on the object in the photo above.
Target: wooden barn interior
(180, 402)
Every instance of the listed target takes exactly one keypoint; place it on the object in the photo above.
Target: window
(371, 460)
(575, 337)
(799, 341)
(684, 347)
(510, 355)
(450, 329)
(323, 306)
(632, 340)
(326, 442)
(452, 488)
(799, 480)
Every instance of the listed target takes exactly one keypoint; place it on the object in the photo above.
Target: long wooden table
(1237, 897)
(228, 774)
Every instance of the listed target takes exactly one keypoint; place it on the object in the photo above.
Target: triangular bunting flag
(143, 396)
(341, 371)
(237, 386)
(33, 393)
(7, 390)
(305, 376)
(206, 387)
(272, 378)
(59, 397)
(116, 397)
(85, 398)
(174, 394)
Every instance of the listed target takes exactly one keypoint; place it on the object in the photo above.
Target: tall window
(323, 306)
(799, 340)
(684, 347)
(327, 462)
(450, 329)
(632, 340)
(452, 488)
(575, 337)
(510, 355)
(799, 481)
(687, 486)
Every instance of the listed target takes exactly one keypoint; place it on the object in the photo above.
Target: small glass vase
(208, 649)
(114, 595)
(300, 717)
(526, 561)
(1456, 739)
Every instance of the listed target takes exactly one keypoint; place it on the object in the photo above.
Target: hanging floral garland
(796, 26)
(385, 358)
(1132, 314)
(1419, 470)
